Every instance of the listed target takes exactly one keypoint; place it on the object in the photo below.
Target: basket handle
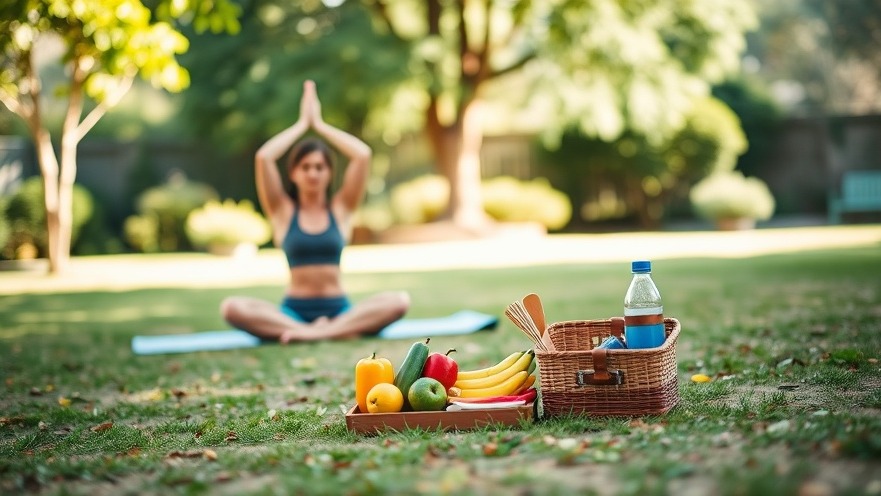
(601, 375)
(617, 327)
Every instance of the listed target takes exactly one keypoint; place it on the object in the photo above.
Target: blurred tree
(605, 66)
(239, 100)
(759, 117)
(635, 175)
(106, 44)
(820, 57)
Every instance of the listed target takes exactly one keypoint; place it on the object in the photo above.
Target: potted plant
(228, 228)
(731, 200)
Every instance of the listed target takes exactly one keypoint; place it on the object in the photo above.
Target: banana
(506, 387)
(530, 380)
(495, 369)
(521, 364)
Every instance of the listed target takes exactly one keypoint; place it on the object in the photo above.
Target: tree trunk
(65, 203)
(466, 198)
(49, 171)
(456, 147)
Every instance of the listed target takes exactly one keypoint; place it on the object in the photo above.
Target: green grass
(273, 416)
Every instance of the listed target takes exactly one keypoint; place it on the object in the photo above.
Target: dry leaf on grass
(101, 427)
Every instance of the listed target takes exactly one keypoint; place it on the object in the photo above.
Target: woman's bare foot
(297, 332)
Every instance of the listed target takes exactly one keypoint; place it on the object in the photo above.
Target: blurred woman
(312, 225)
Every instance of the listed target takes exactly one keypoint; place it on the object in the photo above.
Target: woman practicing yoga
(312, 226)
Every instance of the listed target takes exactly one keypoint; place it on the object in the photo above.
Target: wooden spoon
(533, 305)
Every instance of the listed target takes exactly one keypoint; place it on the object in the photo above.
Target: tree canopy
(105, 45)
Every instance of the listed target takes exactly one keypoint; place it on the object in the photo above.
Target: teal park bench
(860, 192)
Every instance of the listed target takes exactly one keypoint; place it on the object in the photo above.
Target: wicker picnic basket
(578, 378)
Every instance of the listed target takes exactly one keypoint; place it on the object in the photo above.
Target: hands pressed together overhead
(310, 106)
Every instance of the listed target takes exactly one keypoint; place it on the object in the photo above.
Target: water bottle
(643, 312)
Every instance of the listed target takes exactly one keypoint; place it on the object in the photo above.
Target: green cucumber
(411, 368)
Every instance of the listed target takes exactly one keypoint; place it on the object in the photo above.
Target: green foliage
(420, 200)
(759, 117)
(611, 68)
(511, 200)
(162, 214)
(635, 175)
(240, 100)
(506, 199)
(730, 195)
(227, 223)
(25, 216)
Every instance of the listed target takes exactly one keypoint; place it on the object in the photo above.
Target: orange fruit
(384, 398)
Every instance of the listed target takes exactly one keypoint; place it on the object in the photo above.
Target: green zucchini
(411, 368)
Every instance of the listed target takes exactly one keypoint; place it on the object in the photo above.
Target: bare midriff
(315, 281)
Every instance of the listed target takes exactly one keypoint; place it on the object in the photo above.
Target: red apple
(442, 368)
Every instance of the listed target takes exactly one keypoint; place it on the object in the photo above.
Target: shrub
(730, 195)
(227, 223)
(505, 199)
(162, 214)
(508, 199)
(25, 214)
(419, 200)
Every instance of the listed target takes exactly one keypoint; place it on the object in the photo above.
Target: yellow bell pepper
(368, 373)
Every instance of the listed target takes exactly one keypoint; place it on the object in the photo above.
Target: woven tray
(577, 378)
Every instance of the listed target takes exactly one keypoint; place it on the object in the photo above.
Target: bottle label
(641, 320)
(644, 327)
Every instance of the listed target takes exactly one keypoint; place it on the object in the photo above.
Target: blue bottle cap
(640, 266)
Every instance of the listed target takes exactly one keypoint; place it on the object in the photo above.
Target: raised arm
(358, 153)
(270, 189)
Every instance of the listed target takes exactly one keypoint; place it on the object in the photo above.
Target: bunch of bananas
(511, 376)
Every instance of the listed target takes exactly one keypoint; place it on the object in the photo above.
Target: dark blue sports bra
(302, 248)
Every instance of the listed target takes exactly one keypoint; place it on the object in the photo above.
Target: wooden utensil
(521, 318)
(533, 305)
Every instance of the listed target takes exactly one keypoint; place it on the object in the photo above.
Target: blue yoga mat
(462, 322)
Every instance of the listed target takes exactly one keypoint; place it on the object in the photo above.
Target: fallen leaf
(132, 452)
(210, 455)
(49, 388)
(490, 449)
(102, 427)
(185, 454)
(64, 401)
(178, 393)
(699, 378)
(223, 477)
(231, 436)
(35, 391)
(815, 488)
(788, 387)
(42, 425)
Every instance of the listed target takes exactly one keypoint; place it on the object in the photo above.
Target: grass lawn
(792, 343)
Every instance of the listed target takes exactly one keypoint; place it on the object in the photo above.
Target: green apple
(427, 395)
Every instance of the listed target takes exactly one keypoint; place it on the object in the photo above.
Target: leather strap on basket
(617, 325)
(601, 375)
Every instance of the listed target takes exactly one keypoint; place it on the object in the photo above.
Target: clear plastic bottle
(643, 311)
